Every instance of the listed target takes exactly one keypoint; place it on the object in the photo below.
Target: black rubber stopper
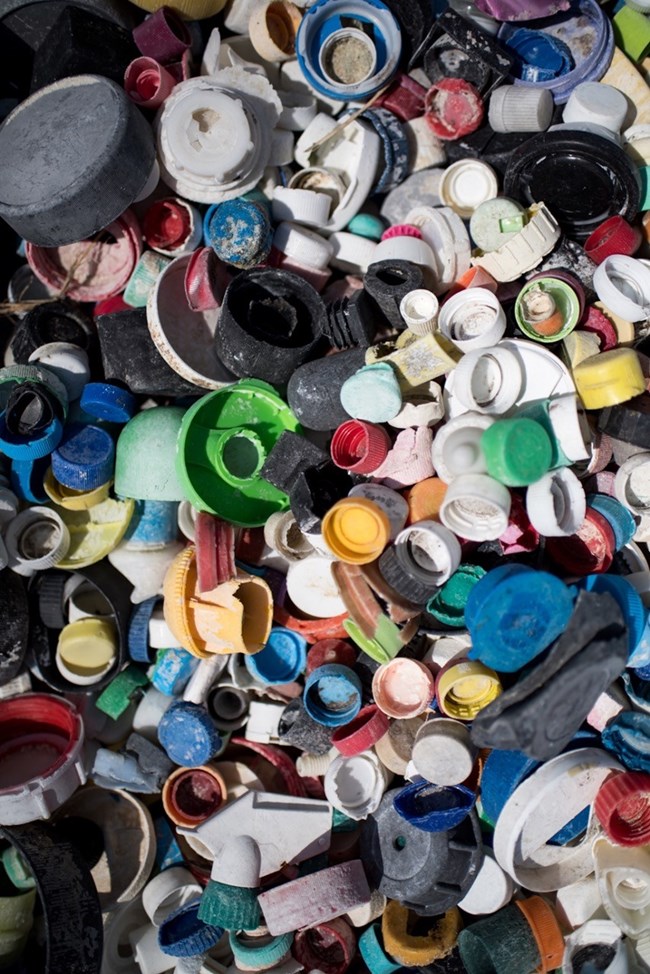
(82, 42)
(387, 282)
(271, 322)
(352, 321)
(582, 178)
(314, 390)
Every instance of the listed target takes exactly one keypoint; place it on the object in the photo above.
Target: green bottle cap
(117, 696)
(632, 32)
(223, 442)
(145, 456)
(517, 451)
(448, 604)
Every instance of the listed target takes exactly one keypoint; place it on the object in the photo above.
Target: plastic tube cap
(597, 103)
(476, 507)
(472, 319)
(515, 108)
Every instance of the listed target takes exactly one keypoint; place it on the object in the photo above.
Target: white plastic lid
(476, 507)
(433, 551)
(405, 248)
(472, 318)
(593, 101)
(312, 589)
(426, 149)
(556, 504)
(443, 752)
(457, 448)
(300, 206)
(419, 309)
(209, 132)
(515, 108)
(466, 184)
(623, 285)
(68, 362)
(488, 380)
(491, 890)
(355, 785)
(632, 483)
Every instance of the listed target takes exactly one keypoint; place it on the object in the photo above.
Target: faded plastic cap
(145, 463)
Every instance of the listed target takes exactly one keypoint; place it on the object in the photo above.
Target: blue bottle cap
(332, 695)
(434, 808)
(282, 659)
(372, 951)
(27, 478)
(188, 734)
(85, 458)
(103, 400)
(540, 56)
(628, 737)
(173, 669)
(395, 148)
(502, 773)
(154, 524)
(620, 519)
(629, 601)
(520, 618)
(239, 231)
(138, 634)
(481, 593)
(29, 447)
(182, 934)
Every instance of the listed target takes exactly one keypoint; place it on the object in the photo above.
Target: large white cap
(598, 103)
(514, 108)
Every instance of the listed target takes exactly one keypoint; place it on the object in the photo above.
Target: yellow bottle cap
(94, 532)
(178, 588)
(73, 500)
(609, 378)
(189, 9)
(356, 530)
(86, 650)
(435, 939)
(464, 688)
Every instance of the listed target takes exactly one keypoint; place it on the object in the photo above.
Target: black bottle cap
(30, 20)
(352, 321)
(290, 455)
(271, 322)
(314, 390)
(82, 42)
(629, 422)
(582, 178)
(387, 282)
(60, 321)
(540, 714)
(131, 358)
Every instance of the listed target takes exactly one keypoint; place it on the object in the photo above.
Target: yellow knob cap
(609, 378)
(465, 688)
(356, 531)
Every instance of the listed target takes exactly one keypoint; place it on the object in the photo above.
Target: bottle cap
(556, 504)
(361, 733)
(188, 735)
(598, 103)
(356, 530)
(466, 184)
(515, 108)
(188, 9)
(457, 449)
(348, 62)
(434, 940)
(525, 250)
(517, 451)
(163, 36)
(453, 108)
(403, 688)
(95, 157)
(614, 236)
(167, 891)
(359, 447)
(489, 380)
(476, 507)
(590, 549)
(443, 752)
(86, 651)
(85, 458)
(354, 785)
(631, 482)
(419, 310)
(609, 378)
(623, 285)
(157, 429)
(192, 795)
(434, 808)
(546, 930)
(547, 309)
(494, 223)
(623, 808)
(472, 319)
(281, 660)
(464, 688)
(332, 695)
(36, 539)
(148, 84)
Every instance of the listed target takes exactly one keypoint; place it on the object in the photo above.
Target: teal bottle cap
(145, 460)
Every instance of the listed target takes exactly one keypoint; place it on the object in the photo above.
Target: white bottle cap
(632, 483)
(443, 752)
(303, 245)
(597, 932)
(312, 588)
(476, 507)
(457, 446)
(491, 890)
(300, 206)
(282, 146)
(556, 504)
(167, 892)
(623, 876)
(515, 108)
(36, 539)
(595, 102)
(578, 902)
(413, 249)
(488, 380)
(355, 785)
(352, 253)
(448, 239)
(466, 184)
(68, 362)
(272, 29)
(623, 285)
(472, 318)
(419, 309)
(428, 552)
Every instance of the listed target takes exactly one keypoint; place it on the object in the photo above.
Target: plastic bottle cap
(489, 380)
(476, 507)
(546, 930)
(631, 483)
(356, 530)
(443, 752)
(419, 309)
(623, 808)
(355, 784)
(525, 249)
(464, 688)
(614, 236)
(359, 447)
(514, 108)
(453, 108)
(609, 378)
(403, 688)
(472, 319)
(36, 539)
(86, 650)
(456, 446)
(466, 184)
(85, 458)
(494, 223)
(598, 103)
(556, 504)
(623, 285)
(517, 451)
(68, 362)
(312, 589)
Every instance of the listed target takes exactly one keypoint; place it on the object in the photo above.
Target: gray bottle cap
(73, 157)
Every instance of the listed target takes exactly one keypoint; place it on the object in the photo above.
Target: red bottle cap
(327, 651)
(368, 727)
(622, 807)
(587, 552)
(614, 236)
(167, 224)
(453, 108)
(359, 447)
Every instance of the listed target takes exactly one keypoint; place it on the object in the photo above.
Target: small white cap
(476, 507)
(472, 318)
(282, 146)
(570, 426)
(466, 184)
(556, 504)
(623, 285)
(419, 309)
(355, 785)
(352, 253)
(68, 362)
(456, 446)
(36, 539)
(303, 245)
(491, 890)
(300, 206)
(312, 589)
(443, 752)
(595, 102)
(413, 249)
(515, 108)
(597, 932)
(632, 484)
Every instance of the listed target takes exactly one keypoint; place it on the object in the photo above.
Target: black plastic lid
(57, 322)
(582, 178)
